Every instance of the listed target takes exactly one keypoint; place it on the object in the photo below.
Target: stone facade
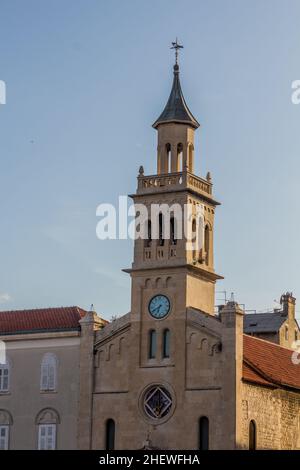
(276, 413)
(202, 374)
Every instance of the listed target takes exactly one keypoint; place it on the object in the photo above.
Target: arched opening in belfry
(173, 234)
(179, 164)
(194, 237)
(168, 159)
(148, 233)
(206, 243)
(161, 229)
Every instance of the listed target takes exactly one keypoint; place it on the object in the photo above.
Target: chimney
(232, 319)
(288, 303)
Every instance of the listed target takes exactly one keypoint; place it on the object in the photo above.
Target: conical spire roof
(176, 109)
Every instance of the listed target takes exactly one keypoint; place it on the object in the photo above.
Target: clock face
(159, 306)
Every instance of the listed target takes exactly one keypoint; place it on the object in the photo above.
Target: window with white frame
(4, 377)
(5, 423)
(49, 373)
(4, 433)
(47, 437)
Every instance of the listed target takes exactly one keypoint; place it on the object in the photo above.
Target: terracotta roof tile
(44, 319)
(250, 375)
(271, 362)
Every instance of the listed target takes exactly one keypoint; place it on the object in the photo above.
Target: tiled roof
(250, 375)
(42, 319)
(271, 362)
(269, 322)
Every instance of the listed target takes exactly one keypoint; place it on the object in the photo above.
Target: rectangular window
(286, 333)
(48, 374)
(47, 437)
(4, 431)
(166, 343)
(152, 344)
(4, 379)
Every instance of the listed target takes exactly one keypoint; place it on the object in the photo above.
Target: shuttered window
(4, 433)
(47, 437)
(4, 377)
(49, 373)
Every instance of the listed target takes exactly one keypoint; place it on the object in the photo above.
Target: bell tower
(176, 127)
(165, 261)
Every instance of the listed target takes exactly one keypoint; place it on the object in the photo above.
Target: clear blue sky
(85, 80)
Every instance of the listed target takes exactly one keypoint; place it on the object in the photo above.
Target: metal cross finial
(176, 46)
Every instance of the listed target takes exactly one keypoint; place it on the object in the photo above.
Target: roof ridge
(278, 312)
(270, 378)
(258, 372)
(42, 308)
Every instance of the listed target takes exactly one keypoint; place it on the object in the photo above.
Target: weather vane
(176, 46)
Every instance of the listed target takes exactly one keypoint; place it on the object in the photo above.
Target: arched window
(149, 234)
(5, 423)
(110, 434)
(203, 433)
(168, 159)
(179, 157)
(286, 333)
(161, 233)
(49, 372)
(252, 435)
(206, 243)
(194, 230)
(4, 377)
(194, 237)
(173, 231)
(47, 421)
(166, 343)
(152, 344)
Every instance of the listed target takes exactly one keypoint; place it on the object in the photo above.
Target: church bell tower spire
(175, 126)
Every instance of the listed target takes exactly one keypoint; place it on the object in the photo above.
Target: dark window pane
(166, 343)
(203, 433)
(152, 344)
(252, 435)
(110, 434)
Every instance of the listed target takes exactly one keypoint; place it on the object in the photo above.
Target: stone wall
(276, 414)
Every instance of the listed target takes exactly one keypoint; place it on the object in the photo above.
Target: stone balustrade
(172, 182)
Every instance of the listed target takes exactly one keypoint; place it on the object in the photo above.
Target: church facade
(173, 374)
